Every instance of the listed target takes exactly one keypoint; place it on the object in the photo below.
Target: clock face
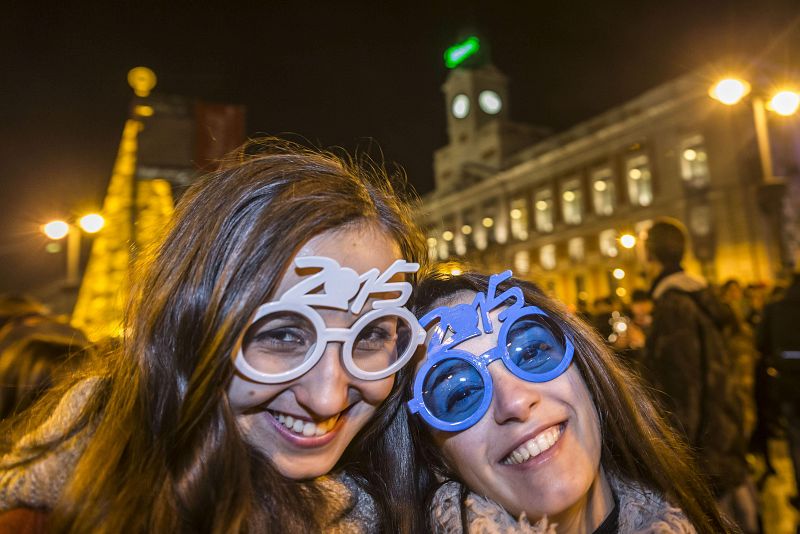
(460, 106)
(490, 102)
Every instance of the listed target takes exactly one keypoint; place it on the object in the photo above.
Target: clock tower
(480, 133)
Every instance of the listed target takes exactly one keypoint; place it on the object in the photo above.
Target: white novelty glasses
(286, 338)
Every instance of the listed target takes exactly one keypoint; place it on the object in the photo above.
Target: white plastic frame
(343, 289)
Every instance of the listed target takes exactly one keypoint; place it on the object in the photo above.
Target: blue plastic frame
(462, 321)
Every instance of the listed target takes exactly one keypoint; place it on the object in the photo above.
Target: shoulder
(644, 511)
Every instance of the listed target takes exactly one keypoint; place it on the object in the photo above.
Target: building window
(547, 257)
(576, 249)
(640, 180)
(519, 219)
(700, 220)
(572, 201)
(604, 193)
(544, 210)
(608, 243)
(694, 162)
(522, 262)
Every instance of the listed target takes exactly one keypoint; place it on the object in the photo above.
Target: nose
(325, 389)
(513, 399)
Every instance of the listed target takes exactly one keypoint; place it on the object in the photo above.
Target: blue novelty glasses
(453, 388)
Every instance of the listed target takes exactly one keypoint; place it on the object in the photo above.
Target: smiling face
(537, 448)
(305, 425)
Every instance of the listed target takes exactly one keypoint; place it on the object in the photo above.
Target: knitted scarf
(641, 511)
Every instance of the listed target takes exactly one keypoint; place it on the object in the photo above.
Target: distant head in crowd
(519, 408)
(665, 246)
(32, 357)
(260, 352)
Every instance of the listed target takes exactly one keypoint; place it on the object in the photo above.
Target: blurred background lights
(490, 102)
(142, 80)
(627, 240)
(466, 229)
(516, 214)
(785, 103)
(56, 229)
(488, 222)
(618, 273)
(92, 223)
(600, 186)
(447, 235)
(729, 91)
(621, 292)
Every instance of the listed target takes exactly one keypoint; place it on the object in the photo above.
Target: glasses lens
(279, 342)
(535, 344)
(453, 390)
(381, 343)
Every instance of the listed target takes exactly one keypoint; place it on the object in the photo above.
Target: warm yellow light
(729, 91)
(635, 174)
(144, 111)
(488, 222)
(455, 271)
(569, 196)
(621, 292)
(627, 240)
(618, 273)
(516, 213)
(600, 185)
(689, 154)
(785, 103)
(466, 229)
(541, 205)
(56, 229)
(447, 235)
(142, 80)
(92, 223)
(431, 241)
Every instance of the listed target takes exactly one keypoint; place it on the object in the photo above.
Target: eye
(453, 390)
(377, 335)
(533, 347)
(281, 339)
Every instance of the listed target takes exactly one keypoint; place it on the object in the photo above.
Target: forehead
(360, 247)
(478, 344)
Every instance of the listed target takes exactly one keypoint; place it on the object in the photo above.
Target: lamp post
(785, 102)
(56, 230)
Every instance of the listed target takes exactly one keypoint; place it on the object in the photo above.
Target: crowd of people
(291, 363)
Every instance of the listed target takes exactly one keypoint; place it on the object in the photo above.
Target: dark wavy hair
(637, 443)
(163, 452)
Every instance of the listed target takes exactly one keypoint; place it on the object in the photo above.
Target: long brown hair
(638, 444)
(165, 453)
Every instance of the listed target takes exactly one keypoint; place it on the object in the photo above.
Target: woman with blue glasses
(523, 421)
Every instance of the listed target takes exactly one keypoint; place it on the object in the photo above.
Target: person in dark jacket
(687, 362)
(778, 339)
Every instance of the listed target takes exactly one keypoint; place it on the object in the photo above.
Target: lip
(541, 458)
(307, 442)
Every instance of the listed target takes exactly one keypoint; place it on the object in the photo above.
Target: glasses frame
(325, 335)
(481, 363)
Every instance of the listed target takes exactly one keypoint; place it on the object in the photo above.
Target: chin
(304, 469)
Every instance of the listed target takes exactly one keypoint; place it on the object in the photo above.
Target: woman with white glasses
(259, 355)
(522, 420)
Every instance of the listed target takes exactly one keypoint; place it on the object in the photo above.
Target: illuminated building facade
(553, 208)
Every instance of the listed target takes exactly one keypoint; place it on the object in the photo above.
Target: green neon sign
(458, 53)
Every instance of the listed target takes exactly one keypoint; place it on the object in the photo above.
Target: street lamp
(56, 230)
(785, 102)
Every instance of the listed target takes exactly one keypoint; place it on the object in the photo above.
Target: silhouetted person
(778, 339)
(686, 359)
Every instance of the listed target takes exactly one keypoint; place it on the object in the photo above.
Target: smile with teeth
(305, 427)
(535, 446)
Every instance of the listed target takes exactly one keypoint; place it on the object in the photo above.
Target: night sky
(350, 74)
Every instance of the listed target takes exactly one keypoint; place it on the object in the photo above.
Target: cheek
(375, 392)
(243, 394)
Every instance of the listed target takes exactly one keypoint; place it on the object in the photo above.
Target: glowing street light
(92, 223)
(618, 273)
(784, 103)
(627, 240)
(729, 91)
(56, 229)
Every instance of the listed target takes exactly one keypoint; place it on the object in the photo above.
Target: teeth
(534, 447)
(306, 428)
